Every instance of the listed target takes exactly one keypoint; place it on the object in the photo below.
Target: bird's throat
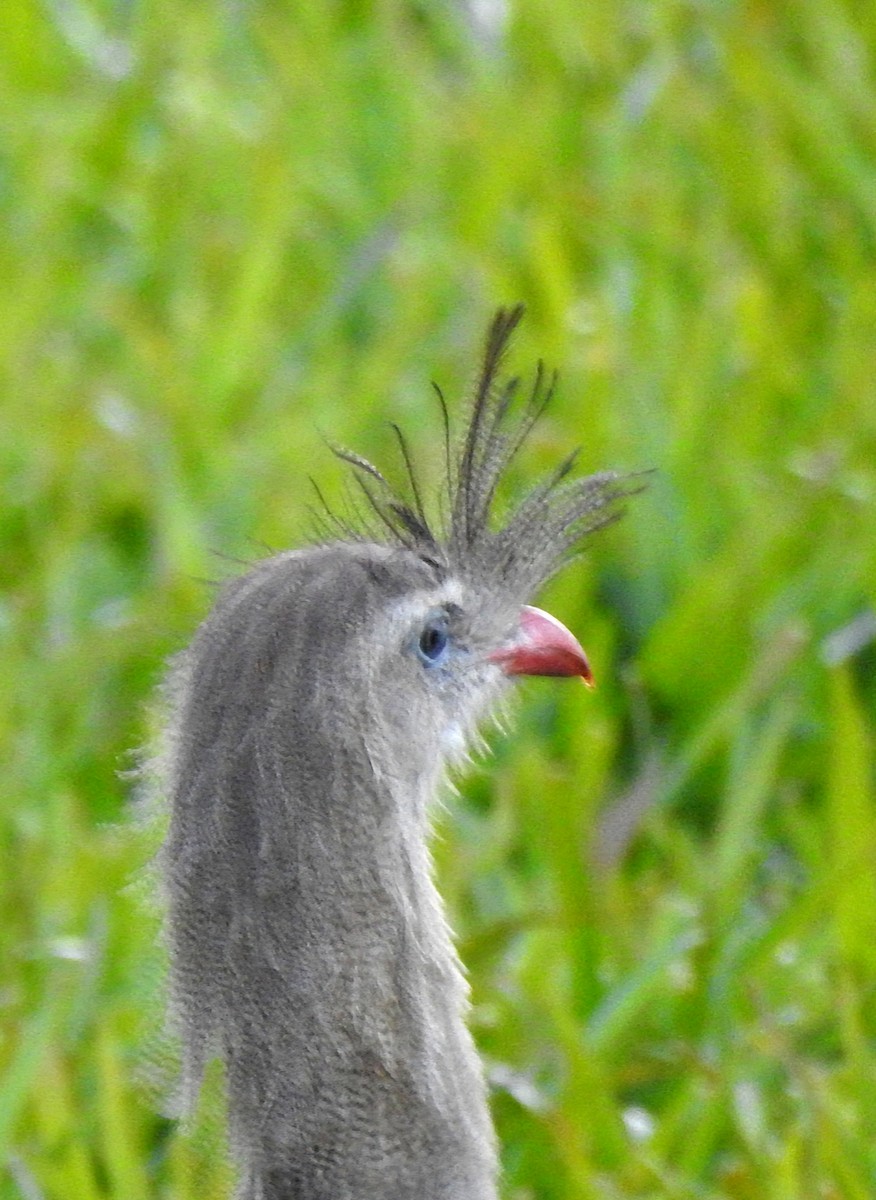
(366, 1063)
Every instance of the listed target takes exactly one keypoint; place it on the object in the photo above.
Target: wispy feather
(539, 531)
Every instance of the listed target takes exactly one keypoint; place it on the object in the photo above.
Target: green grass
(227, 227)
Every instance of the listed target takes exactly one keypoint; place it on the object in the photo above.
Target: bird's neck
(351, 1069)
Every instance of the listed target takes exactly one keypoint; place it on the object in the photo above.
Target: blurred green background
(228, 226)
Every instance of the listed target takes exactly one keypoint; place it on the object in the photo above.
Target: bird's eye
(432, 646)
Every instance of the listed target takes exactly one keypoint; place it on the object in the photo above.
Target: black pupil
(432, 641)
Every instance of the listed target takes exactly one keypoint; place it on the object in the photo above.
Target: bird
(310, 725)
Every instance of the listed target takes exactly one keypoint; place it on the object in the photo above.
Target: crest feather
(538, 534)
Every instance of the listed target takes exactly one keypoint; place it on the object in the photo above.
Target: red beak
(543, 646)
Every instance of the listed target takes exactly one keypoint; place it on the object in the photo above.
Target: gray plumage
(312, 720)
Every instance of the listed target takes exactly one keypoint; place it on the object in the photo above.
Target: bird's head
(433, 650)
(397, 638)
(408, 628)
(348, 645)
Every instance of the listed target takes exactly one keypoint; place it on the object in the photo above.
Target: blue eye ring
(433, 643)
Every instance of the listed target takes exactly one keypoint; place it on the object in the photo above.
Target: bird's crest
(537, 534)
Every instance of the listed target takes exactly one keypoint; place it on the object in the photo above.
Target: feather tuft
(538, 534)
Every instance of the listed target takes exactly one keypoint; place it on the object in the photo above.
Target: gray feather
(533, 540)
(309, 951)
